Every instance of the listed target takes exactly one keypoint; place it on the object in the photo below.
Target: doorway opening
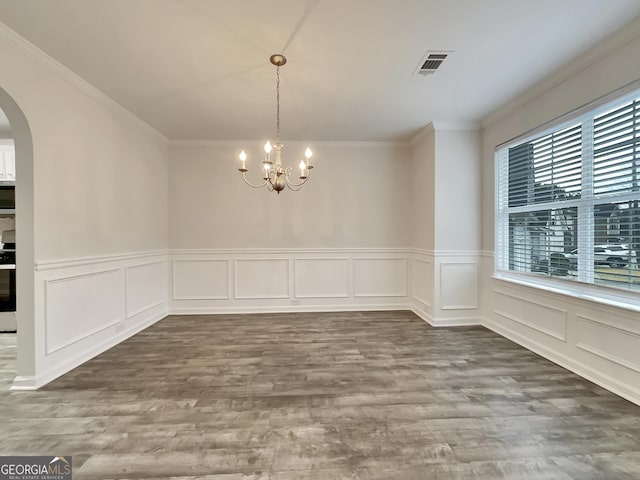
(16, 261)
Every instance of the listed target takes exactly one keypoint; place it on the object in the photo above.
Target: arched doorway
(25, 261)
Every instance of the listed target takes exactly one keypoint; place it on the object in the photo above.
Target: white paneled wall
(88, 305)
(442, 289)
(380, 276)
(445, 287)
(328, 277)
(252, 280)
(597, 341)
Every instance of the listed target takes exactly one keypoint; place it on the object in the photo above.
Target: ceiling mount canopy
(275, 176)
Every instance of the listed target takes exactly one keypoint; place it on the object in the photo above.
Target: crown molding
(614, 42)
(454, 126)
(34, 53)
(323, 143)
(422, 134)
(443, 126)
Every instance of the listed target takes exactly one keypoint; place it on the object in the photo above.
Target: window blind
(568, 200)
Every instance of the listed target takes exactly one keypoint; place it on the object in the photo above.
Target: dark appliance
(7, 196)
(8, 272)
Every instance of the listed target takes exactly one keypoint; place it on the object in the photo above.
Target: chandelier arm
(293, 184)
(244, 177)
(293, 189)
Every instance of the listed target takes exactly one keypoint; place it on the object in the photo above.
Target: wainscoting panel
(597, 341)
(613, 344)
(458, 285)
(422, 281)
(79, 306)
(321, 277)
(265, 278)
(201, 279)
(85, 306)
(282, 280)
(532, 314)
(146, 287)
(380, 277)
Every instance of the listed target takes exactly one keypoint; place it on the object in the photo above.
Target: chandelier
(276, 177)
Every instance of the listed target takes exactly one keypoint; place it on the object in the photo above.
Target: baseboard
(22, 383)
(457, 322)
(579, 368)
(423, 315)
(286, 309)
(447, 322)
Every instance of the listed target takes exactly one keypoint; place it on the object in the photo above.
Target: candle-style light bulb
(267, 149)
(243, 158)
(302, 167)
(308, 153)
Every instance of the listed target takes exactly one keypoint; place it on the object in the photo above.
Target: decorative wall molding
(225, 277)
(329, 307)
(261, 283)
(531, 325)
(92, 260)
(605, 379)
(618, 339)
(449, 253)
(290, 143)
(388, 281)
(609, 356)
(596, 342)
(610, 325)
(145, 293)
(52, 302)
(55, 370)
(560, 334)
(452, 297)
(428, 288)
(325, 289)
(625, 304)
(84, 306)
(296, 279)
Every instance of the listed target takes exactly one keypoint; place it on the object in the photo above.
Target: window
(568, 199)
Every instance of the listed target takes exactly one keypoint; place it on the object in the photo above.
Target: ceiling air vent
(431, 62)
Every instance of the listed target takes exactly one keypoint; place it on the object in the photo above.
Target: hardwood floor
(375, 395)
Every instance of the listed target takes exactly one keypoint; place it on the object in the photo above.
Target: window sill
(627, 301)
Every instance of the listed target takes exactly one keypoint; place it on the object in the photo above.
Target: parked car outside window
(615, 256)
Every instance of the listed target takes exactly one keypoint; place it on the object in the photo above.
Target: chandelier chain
(278, 104)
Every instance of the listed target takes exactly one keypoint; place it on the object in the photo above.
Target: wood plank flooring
(375, 395)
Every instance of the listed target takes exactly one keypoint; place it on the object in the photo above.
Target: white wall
(339, 244)
(423, 165)
(457, 189)
(598, 341)
(98, 171)
(100, 214)
(357, 196)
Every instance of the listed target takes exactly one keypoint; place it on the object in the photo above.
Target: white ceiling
(199, 69)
